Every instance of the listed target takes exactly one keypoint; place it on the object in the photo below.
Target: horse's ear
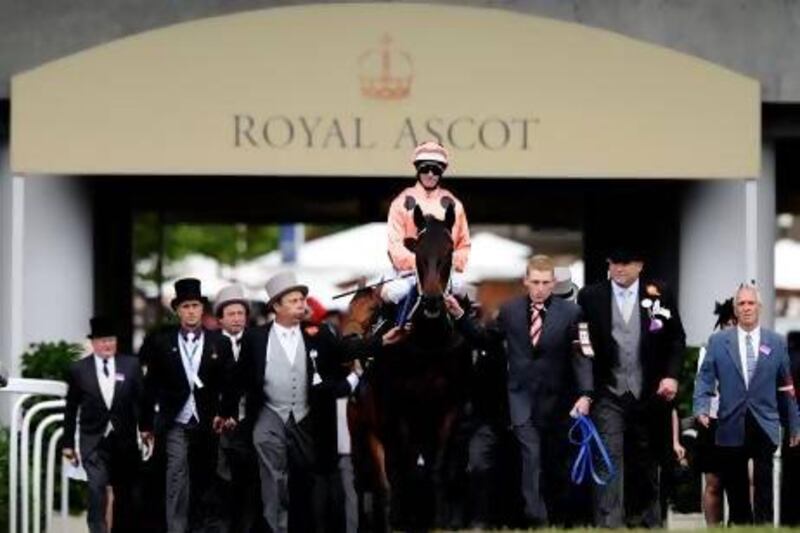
(450, 216)
(419, 218)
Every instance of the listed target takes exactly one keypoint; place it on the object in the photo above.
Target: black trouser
(241, 498)
(114, 463)
(632, 430)
(736, 480)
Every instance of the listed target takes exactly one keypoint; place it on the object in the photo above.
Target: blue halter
(584, 434)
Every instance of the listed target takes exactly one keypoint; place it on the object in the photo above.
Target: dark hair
(724, 312)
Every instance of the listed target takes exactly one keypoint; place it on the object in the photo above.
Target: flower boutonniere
(312, 330)
(657, 313)
(316, 379)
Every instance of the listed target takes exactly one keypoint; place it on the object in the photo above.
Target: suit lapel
(550, 322)
(260, 351)
(606, 301)
(732, 346)
(94, 380)
(118, 371)
(208, 353)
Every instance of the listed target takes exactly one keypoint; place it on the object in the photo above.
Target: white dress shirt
(755, 339)
(236, 343)
(289, 339)
(106, 382)
(626, 298)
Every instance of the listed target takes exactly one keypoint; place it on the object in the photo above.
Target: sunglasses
(433, 169)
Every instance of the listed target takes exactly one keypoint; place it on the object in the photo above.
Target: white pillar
(766, 221)
(57, 295)
(713, 253)
(727, 237)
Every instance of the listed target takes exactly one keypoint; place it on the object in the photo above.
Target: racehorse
(405, 413)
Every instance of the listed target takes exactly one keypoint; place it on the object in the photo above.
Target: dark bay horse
(406, 411)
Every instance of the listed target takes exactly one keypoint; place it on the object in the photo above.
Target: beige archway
(348, 89)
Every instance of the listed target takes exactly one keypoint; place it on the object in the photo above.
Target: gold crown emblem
(385, 72)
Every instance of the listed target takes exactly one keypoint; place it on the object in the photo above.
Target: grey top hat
(564, 287)
(280, 284)
(232, 294)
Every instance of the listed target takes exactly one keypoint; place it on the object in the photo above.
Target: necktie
(627, 308)
(105, 367)
(536, 322)
(751, 356)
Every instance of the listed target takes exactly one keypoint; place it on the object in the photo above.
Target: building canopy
(348, 89)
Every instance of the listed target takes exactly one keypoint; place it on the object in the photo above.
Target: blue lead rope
(584, 434)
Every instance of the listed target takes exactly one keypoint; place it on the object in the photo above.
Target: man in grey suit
(749, 365)
(287, 371)
(548, 378)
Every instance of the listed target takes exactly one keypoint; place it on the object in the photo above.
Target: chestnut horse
(404, 415)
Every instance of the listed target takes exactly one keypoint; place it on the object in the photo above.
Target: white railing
(19, 460)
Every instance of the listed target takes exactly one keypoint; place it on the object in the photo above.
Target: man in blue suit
(750, 367)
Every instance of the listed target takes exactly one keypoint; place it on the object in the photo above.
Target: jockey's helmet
(430, 152)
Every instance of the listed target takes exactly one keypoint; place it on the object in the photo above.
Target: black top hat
(101, 326)
(625, 253)
(187, 290)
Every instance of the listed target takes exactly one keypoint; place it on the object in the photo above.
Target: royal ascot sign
(459, 133)
(509, 95)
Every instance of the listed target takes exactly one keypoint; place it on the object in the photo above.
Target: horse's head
(434, 255)
(361, 311)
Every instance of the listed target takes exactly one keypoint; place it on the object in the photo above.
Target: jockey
(430, 160)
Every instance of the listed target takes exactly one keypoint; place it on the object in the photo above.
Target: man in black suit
(548, 378)
(106, 388)
(639, 343)
(186, 376)
(238, 463)
(290, 374)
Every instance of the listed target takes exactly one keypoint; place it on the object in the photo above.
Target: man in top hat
(288, 373)
(638, 343)
(106, 388)
(430, 160)
(186, 375)
(238, 463)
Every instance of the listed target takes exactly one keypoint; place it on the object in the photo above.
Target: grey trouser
(111, 464)
(285, 457)
(191, 461)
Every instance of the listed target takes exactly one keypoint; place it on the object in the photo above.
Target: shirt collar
(235, 337)
(283, 330)
(198, 331)
(742, 333)
(619, 290)
(99, 360)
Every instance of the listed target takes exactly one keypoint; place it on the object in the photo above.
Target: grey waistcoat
(286, 385)
(628, 370)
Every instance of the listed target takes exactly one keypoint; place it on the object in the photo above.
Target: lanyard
(190, 364)
(584, 434)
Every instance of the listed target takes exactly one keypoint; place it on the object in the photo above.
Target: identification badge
(119, 377)
(316, 379)
(197, 382)
(584, 340)
(764, 349)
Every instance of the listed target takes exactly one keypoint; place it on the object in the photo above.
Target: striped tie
(750, 356)
(536, 322)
